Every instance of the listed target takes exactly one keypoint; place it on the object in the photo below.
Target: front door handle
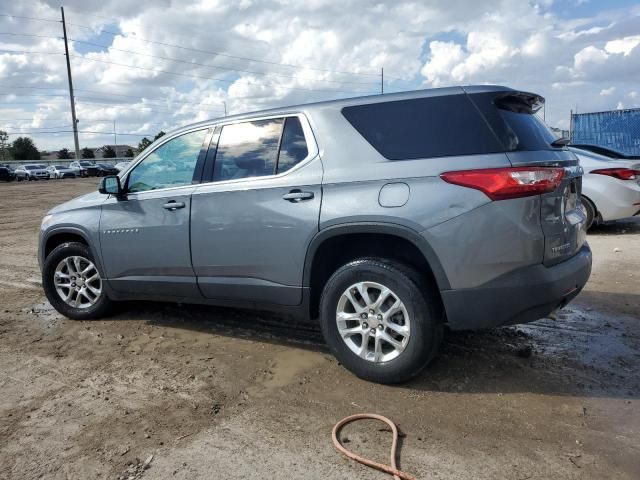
(297, 195)
(173, 205)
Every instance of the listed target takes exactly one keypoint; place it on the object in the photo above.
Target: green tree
(109, 152)
(4, 145)
(87, 153)
(23, 148)
(64, 154)
(129, 153)
(144, 143)
(161, 133)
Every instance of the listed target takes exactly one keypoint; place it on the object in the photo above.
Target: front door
(252, 223)
(144, 237)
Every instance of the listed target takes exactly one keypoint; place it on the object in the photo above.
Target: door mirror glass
(110, 185)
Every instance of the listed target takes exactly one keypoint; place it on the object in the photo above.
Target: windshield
(86, 164)
(31, 167)
(60, 167)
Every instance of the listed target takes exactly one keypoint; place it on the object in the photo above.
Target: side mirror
(110, 185)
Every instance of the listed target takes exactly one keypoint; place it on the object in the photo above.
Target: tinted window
(517, 128)
(170, 165)
(293, 148)
(247, 149)
(423, 127)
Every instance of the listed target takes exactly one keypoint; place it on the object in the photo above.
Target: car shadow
(618, 227)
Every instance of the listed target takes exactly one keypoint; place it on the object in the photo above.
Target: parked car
(106, 169)
(32, 172)
(122, 166)
(7, 174)
(610, 188)
(60, 171)
(450, 207)
(605, 151)
(85, 168)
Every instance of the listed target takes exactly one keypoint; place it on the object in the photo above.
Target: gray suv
(388, 218)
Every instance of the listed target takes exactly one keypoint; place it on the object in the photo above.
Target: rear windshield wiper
(561, 142)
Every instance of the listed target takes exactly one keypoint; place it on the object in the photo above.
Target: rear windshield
(423, 127)
(514, 121)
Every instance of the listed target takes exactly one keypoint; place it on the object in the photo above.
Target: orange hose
(392, 468)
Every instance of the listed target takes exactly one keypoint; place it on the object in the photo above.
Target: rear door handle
(173, 205)
(297, 195)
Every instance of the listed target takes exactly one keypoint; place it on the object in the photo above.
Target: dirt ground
(199, 393)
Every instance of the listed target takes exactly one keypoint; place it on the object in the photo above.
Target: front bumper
(521, 296)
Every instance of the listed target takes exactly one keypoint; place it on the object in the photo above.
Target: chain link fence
(616, 129)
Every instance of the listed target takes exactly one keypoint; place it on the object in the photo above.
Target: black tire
(100, 309)
(591, 211)
(422, 306)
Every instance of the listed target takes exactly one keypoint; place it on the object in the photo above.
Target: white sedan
(610, 188)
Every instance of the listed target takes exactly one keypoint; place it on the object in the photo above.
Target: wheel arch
(316, 272)
(55, 237)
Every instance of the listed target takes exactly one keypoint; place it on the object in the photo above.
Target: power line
(217, 67)
(39, 19)
(35, 35)
(82, 131)
(23, 52)
(213, 79)
(143, 100)
(110, 32)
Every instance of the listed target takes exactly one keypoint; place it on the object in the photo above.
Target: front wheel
(380, 320)
(73, 284)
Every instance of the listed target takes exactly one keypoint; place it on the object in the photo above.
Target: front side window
(248, 149)
(170, 165)
(293, 148)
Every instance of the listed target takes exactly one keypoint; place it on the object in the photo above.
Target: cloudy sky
(151, 65)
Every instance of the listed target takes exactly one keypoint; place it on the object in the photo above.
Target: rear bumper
(521, 296)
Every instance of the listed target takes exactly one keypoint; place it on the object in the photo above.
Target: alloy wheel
(78, 282)
(373, 322)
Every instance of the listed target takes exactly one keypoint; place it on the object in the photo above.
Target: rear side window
(293, 148)
(423, 127)
(512, 118)
(248, 149)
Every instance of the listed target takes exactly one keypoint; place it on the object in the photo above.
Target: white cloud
(521, 43)
(444, 56)
(622, 45)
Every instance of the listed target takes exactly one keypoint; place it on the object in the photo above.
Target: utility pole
(225, 107)
(115, 137)
(382, 81)
(71, 98)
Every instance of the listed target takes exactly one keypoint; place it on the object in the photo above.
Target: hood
(89, 200)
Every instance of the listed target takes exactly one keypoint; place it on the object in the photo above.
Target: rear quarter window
(423, 127)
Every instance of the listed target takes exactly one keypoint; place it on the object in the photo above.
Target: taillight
(619, 173)
(505, 183)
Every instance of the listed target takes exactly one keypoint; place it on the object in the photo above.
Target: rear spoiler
(519, 102)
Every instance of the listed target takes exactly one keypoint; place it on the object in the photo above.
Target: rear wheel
(73, 284)
(591, 211)
(380, 320)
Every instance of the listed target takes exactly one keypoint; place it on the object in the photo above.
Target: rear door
(528, 141)
(252, 222)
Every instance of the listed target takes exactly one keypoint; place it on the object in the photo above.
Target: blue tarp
(617, 129)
